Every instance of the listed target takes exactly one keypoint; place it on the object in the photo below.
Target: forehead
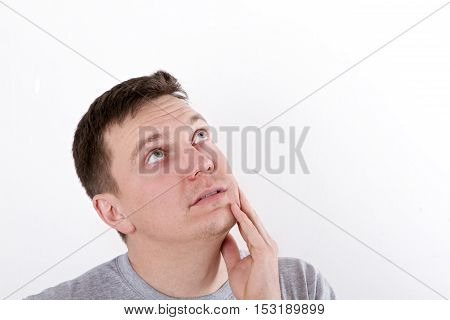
(162, 114)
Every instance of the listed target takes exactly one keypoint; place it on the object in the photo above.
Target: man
(147, 161)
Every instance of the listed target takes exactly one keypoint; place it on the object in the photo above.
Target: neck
(180, 270)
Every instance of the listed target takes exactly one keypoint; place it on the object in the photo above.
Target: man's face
(161, 181)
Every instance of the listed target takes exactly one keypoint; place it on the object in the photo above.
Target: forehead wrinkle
(154, 121)
(150, 111)
(167, 104)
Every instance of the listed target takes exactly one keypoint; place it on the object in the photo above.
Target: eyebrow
(157, 136)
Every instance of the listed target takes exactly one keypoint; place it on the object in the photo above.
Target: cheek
(154, 185)
(156, 194)
(221, 161)
(159, 217)
(224, 170)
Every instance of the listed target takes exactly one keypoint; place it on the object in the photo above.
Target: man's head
(144, 157)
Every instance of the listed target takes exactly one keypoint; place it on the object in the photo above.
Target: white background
(378, 147)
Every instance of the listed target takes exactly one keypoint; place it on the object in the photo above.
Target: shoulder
(301, 280)
(96, 283)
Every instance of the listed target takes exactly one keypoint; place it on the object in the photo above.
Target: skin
(195, 253)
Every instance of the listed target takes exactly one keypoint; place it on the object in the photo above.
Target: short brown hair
(92, 157)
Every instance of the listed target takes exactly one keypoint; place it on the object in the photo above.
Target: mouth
(209, 195)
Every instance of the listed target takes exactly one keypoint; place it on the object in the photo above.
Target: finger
(242, 233)
(247, 208)
(248, 230)
(230, 252)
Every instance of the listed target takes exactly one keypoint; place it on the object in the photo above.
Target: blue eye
(202, 134)
(155, 156)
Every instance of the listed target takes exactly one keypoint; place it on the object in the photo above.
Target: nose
(203, 164)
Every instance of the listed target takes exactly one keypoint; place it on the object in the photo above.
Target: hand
(255, 277)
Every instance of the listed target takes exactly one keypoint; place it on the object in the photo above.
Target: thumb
(230, 252)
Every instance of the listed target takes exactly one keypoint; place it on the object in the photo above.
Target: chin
(215, 223)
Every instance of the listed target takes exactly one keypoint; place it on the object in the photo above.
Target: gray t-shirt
(117, 280)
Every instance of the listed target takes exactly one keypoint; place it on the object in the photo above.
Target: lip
(212, 198)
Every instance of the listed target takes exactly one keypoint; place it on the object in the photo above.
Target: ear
(109, 211)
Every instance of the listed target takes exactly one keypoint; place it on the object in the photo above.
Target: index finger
(249, 232)
(251, 213)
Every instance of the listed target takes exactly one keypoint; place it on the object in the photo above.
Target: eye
(200, 135)
(155, 156)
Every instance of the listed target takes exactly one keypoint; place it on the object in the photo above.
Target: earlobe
(109, 213)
